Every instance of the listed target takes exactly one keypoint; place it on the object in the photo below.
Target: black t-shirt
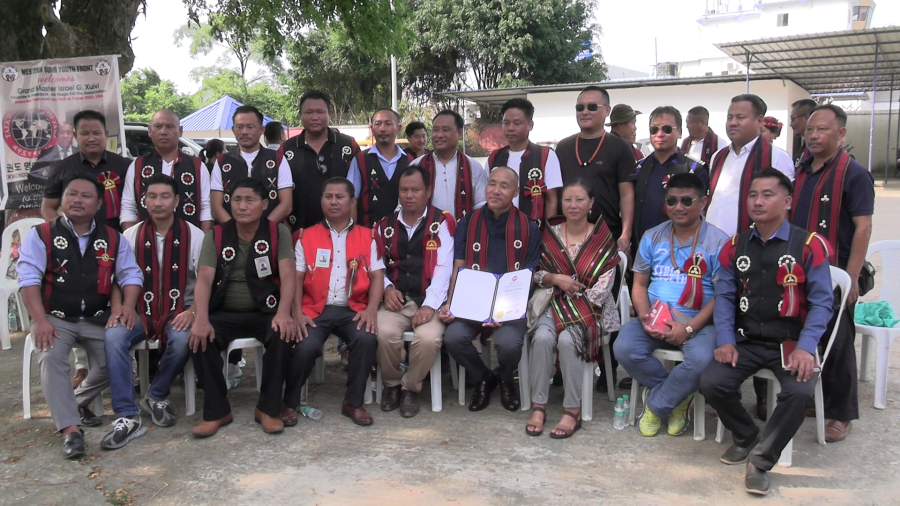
(111, 162)
(613, 164)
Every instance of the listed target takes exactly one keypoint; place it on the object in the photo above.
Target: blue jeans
(634, 349)
(118, 341)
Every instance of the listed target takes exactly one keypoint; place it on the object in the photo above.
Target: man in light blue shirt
(66, 271)
(682, 279)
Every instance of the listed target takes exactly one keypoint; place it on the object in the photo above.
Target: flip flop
(567, 433)
(539, 426)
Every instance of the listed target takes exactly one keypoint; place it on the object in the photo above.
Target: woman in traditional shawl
(578, 261)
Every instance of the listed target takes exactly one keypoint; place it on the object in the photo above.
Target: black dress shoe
(761, 411)
(738, 454)
(481, 396)
(509, 396)
(73, 445)
(88, 418)
(756, 481)
(390, 398)
(409, 404)
(625, 384)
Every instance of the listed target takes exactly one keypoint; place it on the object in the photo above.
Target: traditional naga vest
(162, 296)
(185, 170)
(478, 239)
(379, 195)
(531, 177)
(710, 146)
(465, 199)
(265, 169)
(265, 291)
(410, 261)
(825, 215)
(71, 277)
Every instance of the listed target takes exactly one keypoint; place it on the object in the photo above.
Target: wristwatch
(690, 331)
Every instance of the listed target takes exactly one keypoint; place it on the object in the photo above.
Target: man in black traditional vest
(375, 172)
(774, 285)
(189, 173)
(251, 160)
(655, 170)
(315, 156)
(496, 238)
(66, 270)
(244, 288)
(416, 245)
(701, 142)
(536, 166)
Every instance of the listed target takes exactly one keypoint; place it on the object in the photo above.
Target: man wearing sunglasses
(655, 170)
(800, 112)
(701, 142)
(675, 265)
(317, 154)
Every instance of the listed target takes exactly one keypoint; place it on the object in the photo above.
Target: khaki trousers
(426, 344)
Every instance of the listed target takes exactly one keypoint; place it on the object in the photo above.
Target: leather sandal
(567, 433)
(533, 425)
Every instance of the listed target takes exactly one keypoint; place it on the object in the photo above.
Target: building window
(783, 19)
(860, 13)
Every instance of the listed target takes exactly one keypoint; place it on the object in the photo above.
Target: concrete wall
(858, 126)
(555, 112)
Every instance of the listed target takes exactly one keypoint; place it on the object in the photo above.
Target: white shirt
(129, 212)
(446, 182)
(337, 282)
(552, 175)
(436, 293)
(193, 257)
(696, 151)
(723, 209)
(285, 179)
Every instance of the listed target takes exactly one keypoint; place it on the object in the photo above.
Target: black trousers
(839, 374)
(208, 364)
(721, 384)
(508, 339)
(337, 320)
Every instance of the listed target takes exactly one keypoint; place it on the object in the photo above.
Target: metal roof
(824, 63)
(215, 116)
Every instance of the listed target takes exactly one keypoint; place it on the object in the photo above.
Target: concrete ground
(451, 457)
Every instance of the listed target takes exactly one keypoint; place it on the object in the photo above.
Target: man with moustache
(457, 180)
(375, 172)
(317, 154)
(701, 143)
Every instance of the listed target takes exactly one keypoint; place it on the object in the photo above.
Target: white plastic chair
(881, 336)
(320, 378)
(436, 401)
(624, 303)
(485, 351)
(841, 279)
(670, 358)
(246, 342)
(26, 380)
(190, 384)
(10, 286)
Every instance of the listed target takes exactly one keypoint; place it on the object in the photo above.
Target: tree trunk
(83, 28)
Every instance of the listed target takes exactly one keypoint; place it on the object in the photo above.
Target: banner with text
(38, 101)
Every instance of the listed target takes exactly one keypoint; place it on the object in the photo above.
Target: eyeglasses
(321, 166)
(591, 106)
(685, 201)
(794, 118)
(667, 129)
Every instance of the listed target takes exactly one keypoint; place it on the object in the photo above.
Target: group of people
(318, 237)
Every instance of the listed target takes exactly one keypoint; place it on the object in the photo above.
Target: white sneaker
(234, 371)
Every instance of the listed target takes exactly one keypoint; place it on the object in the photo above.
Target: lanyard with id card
(323, 258)
(263, 267)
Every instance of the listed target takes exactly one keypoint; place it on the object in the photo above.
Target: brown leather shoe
(79, 376)
(836, 430)
(359, 415)
(289, 416)
(270, 424)
(209, 428)
(390, 398)
(409, 404)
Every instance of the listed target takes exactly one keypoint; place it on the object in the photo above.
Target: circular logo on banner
(103, 67)
(28, 132)
(9, 73)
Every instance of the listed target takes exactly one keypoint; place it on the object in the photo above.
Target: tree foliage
(272, 101)
(144, 93)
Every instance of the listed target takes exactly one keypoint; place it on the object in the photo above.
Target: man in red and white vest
(416, 246)
(66, 270)
(340, 281)
(189, 172)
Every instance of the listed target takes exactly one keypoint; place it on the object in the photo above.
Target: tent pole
(887, 155)
(749, 57)
(897, 143)
(872, 123)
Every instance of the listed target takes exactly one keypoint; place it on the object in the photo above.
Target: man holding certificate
(416, 247)
(498, 239)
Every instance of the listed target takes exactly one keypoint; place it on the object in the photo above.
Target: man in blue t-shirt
(681, 277)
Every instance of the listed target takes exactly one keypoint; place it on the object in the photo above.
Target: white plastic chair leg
(587, 393)
(437, 403)
(462, 383)
(259, 350)
(26, 377)
(304, 394)
(699, 416)
(379, 387)
(720, 432)
(865, 356)
(635, 392)
(607, 364)
(4, 323)
(882, 359)
(524, 381)
(190, 388)
(820, 412)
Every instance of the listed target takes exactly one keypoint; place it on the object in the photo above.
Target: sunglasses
(591, 106)
(667, 129)
(685, 201)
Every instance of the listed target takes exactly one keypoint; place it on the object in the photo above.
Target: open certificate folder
(486, 297)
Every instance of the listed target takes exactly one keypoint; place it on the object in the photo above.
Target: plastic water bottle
(619, 419)
(13, 320)
(311, 412)
(627, 405)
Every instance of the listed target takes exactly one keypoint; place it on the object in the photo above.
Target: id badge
(323, 257)
(263, 267)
